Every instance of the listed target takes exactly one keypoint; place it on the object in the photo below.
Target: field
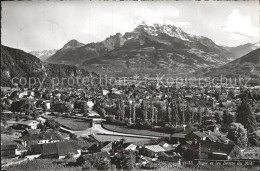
(73, 124)
(123, 129)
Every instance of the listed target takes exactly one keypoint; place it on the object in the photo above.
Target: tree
(134, 114)
(16, 106)
(152, 111)
(254, 139)
(28, 107)
(4, 123)
(41, 127)
(98, 163)
(199, 116)
(217, 117)
(102, 112)
(35, 114)
(68, 108)
(227, 118)
(17, 118)
(231, 94)
(125, 160)
(129, 160)
(52, 124)
(245, 115)
(73, 137)
(174, 113)
(9, 130)
(168, 114)
(59, 107)
(238, 134)
(85, 109)
(189, 125)
(122, 107)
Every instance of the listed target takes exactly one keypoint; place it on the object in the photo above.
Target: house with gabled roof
(58, 150)
(211, 150)
(42, 138)
(12, 150)
(28, 124)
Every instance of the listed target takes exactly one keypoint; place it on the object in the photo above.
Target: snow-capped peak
(170, 30)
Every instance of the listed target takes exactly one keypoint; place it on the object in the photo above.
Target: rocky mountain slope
(247, 65)
(43, 55)
(67, 53)
(147, 49)
(17, 63)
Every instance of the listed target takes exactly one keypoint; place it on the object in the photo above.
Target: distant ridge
(247, 65)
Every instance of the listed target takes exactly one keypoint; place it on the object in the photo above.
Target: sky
(46, 25)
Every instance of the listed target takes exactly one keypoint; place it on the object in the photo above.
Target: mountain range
(17, 63)
(148, 49)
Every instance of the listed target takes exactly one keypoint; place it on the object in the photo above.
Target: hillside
(67, 52)
(17, 63)
(247, 65)
(147, 49)
(244, 49)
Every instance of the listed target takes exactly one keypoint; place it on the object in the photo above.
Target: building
(151, 150)
(42, 138)
(58, 150)
(180, 137)
(28, 124)
(12, 150)
(211, 151)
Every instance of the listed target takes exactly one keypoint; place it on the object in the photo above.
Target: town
(130, 126)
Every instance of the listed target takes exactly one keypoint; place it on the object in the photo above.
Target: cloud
(89, 32)
(184, 24)
(240, 26)
(175, 13)
(159, 17)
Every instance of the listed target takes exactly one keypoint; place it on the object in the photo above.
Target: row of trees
(174, 112)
